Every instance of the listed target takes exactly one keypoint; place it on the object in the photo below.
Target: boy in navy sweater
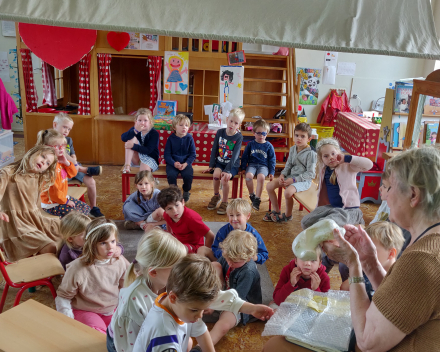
(239, 212)
(180, 153)
(258, 160)
(141, 143)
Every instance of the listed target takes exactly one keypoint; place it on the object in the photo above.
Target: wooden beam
(22, 86)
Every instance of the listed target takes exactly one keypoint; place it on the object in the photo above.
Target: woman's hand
(341, 250)
(361, 242)
(4, 217)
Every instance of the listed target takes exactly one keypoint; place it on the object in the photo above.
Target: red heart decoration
(60, 47)
(118, 40)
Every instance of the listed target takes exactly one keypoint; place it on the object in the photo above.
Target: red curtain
(49, 93)
(28, 76)
(84, 86)
(155, 64)
(105, 87)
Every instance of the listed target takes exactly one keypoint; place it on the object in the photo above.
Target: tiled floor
(278, 239)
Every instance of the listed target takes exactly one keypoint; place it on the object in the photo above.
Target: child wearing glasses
(258, 160)
(55, 200)
(297, 175)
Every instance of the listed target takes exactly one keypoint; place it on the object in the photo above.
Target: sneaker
(130, 225)
(215, 201)
(186, 196)
(96, 213)
(252, 197)
(222, 208)
(94, 171)
(256, 203)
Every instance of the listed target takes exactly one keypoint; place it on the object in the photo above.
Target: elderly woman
(405, 312)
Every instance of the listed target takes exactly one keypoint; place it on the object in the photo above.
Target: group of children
(178, 273)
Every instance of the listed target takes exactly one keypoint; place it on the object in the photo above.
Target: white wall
(6, 44)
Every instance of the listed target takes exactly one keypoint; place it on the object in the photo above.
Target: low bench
(161, 173)
(77, 192)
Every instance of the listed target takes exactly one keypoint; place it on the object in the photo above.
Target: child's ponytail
(157, 249)
(46, 137)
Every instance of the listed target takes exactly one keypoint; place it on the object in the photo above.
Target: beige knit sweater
(409, 296)
(93, 288)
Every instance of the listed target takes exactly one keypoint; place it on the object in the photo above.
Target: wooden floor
(277, 237)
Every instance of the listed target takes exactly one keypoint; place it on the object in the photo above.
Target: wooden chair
(29, 272)
(161, 173)
(307, 200)
(77, 192)
(76, 183)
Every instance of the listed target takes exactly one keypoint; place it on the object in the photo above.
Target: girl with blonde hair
(24, 230)
(55, 200)
(141, 143)
(146, 279)
(89, 290)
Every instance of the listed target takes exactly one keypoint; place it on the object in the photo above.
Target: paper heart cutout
(183, 86)
(60, 47)
(118, 40)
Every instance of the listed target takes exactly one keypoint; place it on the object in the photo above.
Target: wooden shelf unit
(269, 85)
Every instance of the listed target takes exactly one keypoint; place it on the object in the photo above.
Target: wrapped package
(316, 320)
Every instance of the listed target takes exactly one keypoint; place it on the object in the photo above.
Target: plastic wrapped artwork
(321, 320)
(306, 242)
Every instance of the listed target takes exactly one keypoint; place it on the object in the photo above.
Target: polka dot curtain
(49, 93)
(28, 76)
(84, 85)
(155, 66)
(105, 86)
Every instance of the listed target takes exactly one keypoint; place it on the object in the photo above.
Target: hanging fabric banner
(105, 86)
(155, 66)
(28, 76)
(84, 85)
(49, 93)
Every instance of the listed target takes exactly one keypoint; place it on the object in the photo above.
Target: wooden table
(31, 326)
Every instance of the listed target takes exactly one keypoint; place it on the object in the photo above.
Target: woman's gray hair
(419, 168)
(327, 141)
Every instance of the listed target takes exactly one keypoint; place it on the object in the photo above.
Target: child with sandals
(297, 175)
(141, 143)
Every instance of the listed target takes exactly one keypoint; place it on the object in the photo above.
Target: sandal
(284, 218)
(126, 169)
(272, 216)
(267, 216)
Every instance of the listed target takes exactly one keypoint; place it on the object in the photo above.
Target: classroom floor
(277, 237)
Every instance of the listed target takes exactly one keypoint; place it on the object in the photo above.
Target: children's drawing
(231, 85)
(176, 72)
(309, 90)
(135, 42)
(149, 42)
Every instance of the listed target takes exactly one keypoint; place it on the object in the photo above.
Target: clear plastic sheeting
(298, 318)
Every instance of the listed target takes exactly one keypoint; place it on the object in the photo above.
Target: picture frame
(236, 57)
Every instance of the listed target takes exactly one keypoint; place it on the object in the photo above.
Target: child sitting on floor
(141, 143)
(258, 160)
(184, 223)
(73, 229)
(297, 175)
(180, 153)
(388, 239)
(89, 290)
(141, 209)
(225, 159)
(239, 212)
(237, 270)
(25, 231)
(300, 274)
(191, 287)
(63, 123)
(147, 277)
(56, 201)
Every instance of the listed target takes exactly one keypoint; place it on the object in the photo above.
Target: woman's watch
(356, 280)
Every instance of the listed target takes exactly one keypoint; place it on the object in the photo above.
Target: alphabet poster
(176, 72)
(309, 89)
(231, 85)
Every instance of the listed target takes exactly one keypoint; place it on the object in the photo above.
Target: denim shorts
(256, 169)
(79, 176)
(234, 170)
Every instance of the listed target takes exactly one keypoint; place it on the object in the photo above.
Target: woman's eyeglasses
(264, 134)
(59, 147)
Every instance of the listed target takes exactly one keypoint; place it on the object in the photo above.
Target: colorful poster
(4, 67)
(149, 42)
(431, 129)
(176, 72)
(309, 89)
(231, 85)
(134, 42)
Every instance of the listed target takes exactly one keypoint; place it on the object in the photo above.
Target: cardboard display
(60, 47)
(118, 40)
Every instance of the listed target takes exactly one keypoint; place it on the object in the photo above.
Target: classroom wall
(6, 45)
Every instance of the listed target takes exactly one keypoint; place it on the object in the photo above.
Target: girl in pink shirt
(89, 290)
